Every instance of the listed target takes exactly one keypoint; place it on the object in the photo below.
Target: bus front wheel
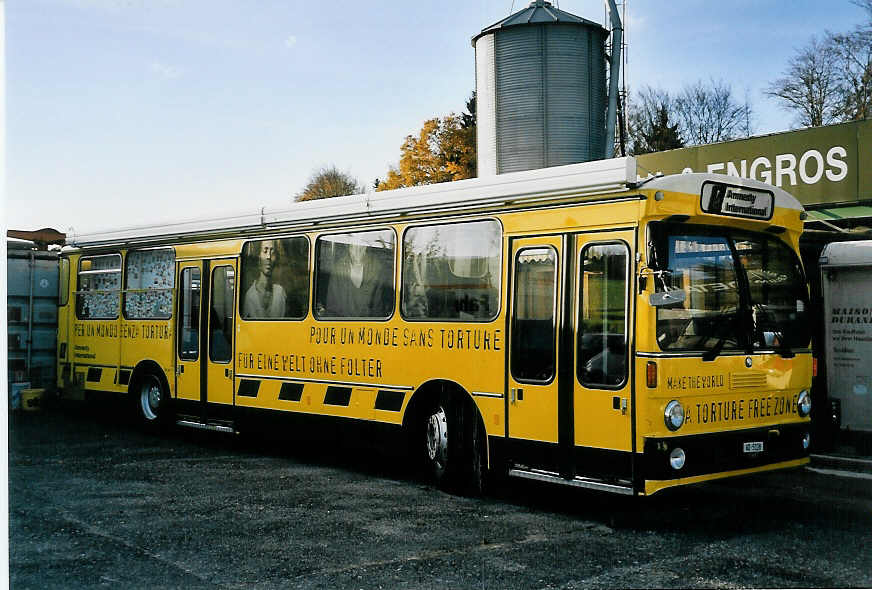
(153, 399)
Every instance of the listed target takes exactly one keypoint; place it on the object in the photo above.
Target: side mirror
(670, 297)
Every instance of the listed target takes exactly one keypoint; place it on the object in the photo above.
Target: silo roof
(537, 13)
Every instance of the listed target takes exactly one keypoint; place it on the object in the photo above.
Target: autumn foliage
(442, 151)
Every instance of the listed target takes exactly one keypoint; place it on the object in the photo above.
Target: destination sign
(737, 201)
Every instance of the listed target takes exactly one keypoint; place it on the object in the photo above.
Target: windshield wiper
(783, 347)
(712, 353)
(730, 321)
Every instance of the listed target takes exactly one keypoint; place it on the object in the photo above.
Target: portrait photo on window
(355, 275)
(275, 279)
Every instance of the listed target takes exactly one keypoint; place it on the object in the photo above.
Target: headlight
(806, 441)
(674, 415)
(803, 403)
(677, 458)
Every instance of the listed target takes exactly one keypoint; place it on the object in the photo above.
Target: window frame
(79, 291)
(310, 267)
(63, 281)
(125, 290)
(180, 314)
(222, 264)
(500, 280)
(627, 312)
(315, 272)
(554, 314)
(658, 233)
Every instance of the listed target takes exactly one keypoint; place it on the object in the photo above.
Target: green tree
(329, 182)
(468, 118)
(442, 151)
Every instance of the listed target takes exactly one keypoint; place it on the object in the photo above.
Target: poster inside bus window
(275, 278)
(99, 284)
(150, 280)
(737, 201)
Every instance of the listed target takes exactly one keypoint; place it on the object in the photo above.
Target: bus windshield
(742, 290)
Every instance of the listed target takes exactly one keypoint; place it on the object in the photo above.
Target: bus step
(226, 427)
(579, 482)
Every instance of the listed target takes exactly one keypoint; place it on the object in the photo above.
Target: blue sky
(123, 112)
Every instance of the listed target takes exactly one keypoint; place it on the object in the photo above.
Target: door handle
(228, 372)
(619, 403)
(517, 394)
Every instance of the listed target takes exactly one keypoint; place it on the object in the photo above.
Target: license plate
(753, 447)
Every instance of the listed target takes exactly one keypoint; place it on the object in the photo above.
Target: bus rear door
(535, 314)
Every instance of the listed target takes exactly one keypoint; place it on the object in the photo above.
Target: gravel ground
(96, 502)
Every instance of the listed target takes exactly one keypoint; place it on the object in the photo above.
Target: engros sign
(787, 170)
(820, 165)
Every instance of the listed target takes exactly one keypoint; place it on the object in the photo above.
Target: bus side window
(354, 275)
(602, 322)
(275, 279)
(451, 272)
(149, 281)
(64, 282)
(99, 286)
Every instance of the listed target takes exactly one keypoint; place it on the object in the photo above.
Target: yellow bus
(574, 324)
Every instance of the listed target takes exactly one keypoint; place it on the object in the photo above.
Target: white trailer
(846, 284)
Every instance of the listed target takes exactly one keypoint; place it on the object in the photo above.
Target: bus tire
(152, 400)
(454, 445)
(475, 459)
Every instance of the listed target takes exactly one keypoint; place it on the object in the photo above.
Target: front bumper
(715, 453)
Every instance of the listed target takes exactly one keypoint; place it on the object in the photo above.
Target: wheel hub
(154, 397)
(150, 397)
(437, 436)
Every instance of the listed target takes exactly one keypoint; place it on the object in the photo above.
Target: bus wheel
(153, 399)
(455, 446)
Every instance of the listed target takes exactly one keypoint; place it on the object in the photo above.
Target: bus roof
(569, 182)
(559, 182)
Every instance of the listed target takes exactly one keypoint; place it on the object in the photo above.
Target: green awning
(839, 213)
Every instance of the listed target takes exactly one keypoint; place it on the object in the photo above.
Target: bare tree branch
(830, 80)
(652, 125)
(708, 113)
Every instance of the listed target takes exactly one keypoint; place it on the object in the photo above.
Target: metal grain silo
(541, 90)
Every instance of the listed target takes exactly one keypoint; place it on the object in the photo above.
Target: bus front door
(603, 397)
(535, 318)
(205, 338)
(188, 335)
